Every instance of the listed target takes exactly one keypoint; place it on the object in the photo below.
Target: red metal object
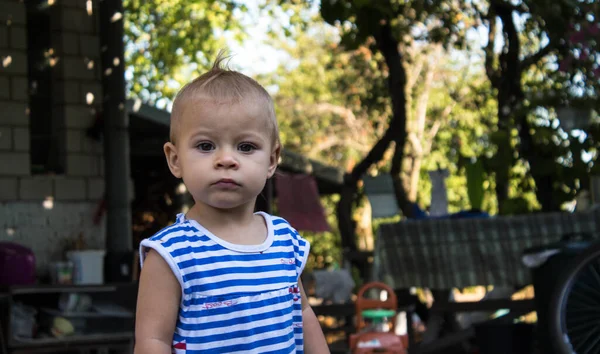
(376, 342)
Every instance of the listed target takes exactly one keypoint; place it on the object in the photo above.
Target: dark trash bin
(546, 276)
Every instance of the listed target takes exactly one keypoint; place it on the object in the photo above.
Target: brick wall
(76, 79)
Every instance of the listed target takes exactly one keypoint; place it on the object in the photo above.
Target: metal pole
(116, 122)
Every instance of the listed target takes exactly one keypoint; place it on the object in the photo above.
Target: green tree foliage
(394, 26)
(464, 134)
(331, 105)
(355, 86)
(538, 37)
(573, 32)
(170, 41)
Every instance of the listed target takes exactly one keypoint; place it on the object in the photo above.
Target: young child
(222, 278)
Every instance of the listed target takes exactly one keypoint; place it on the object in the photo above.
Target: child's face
(224, 153)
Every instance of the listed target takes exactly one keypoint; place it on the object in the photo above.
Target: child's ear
(274, 160)
(172, 159)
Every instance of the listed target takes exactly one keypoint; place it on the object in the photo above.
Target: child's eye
(206, 146)
(246, 147)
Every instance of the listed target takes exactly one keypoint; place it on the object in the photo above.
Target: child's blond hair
(222, 85)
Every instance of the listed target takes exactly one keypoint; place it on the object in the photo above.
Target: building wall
(25, 213)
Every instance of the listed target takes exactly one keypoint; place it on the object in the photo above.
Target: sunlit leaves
(170, 41)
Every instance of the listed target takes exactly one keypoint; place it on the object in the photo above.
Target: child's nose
(226, 159)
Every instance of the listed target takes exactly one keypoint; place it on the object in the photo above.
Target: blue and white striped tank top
(235, 298)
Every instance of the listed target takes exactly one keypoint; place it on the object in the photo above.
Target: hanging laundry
(380, 192)
(298, 202)
(475, 178)
(439, 196)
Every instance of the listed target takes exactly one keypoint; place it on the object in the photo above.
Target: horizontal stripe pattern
(235, 301)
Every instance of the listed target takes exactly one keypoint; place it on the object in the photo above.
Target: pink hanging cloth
(298, 202)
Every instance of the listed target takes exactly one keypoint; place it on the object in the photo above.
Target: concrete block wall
(24, 198)
(14, 121)
(48, 231)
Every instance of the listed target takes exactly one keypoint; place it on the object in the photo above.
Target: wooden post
(269, 189)
(116, 122)
(264, 202)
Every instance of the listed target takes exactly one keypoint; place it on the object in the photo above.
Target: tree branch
(511, 57)
(492, 74)
(536, 57)
(401, 196)
(335, 140)
(499, 4)
(388, 46)
(374, 155)
(415, 143)
(346, 224)
(397, 81)
(340, 111)
(432, 134)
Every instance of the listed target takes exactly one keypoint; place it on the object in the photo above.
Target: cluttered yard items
(444, 254)
(375, 323)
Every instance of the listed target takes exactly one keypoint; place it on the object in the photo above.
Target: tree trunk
(419, 134)
(510, 104)
(388, 46)
(499, 80)
(415, 176)
(396, 132)
(346, 224)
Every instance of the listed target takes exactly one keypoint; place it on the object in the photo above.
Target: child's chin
(225, 204)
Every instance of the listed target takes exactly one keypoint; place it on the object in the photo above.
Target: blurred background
(390, 112)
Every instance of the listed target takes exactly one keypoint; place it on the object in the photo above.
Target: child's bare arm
(314, 340)
(159, 296)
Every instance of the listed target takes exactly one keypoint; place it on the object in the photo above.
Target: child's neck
(227, 224)
(206, 214)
